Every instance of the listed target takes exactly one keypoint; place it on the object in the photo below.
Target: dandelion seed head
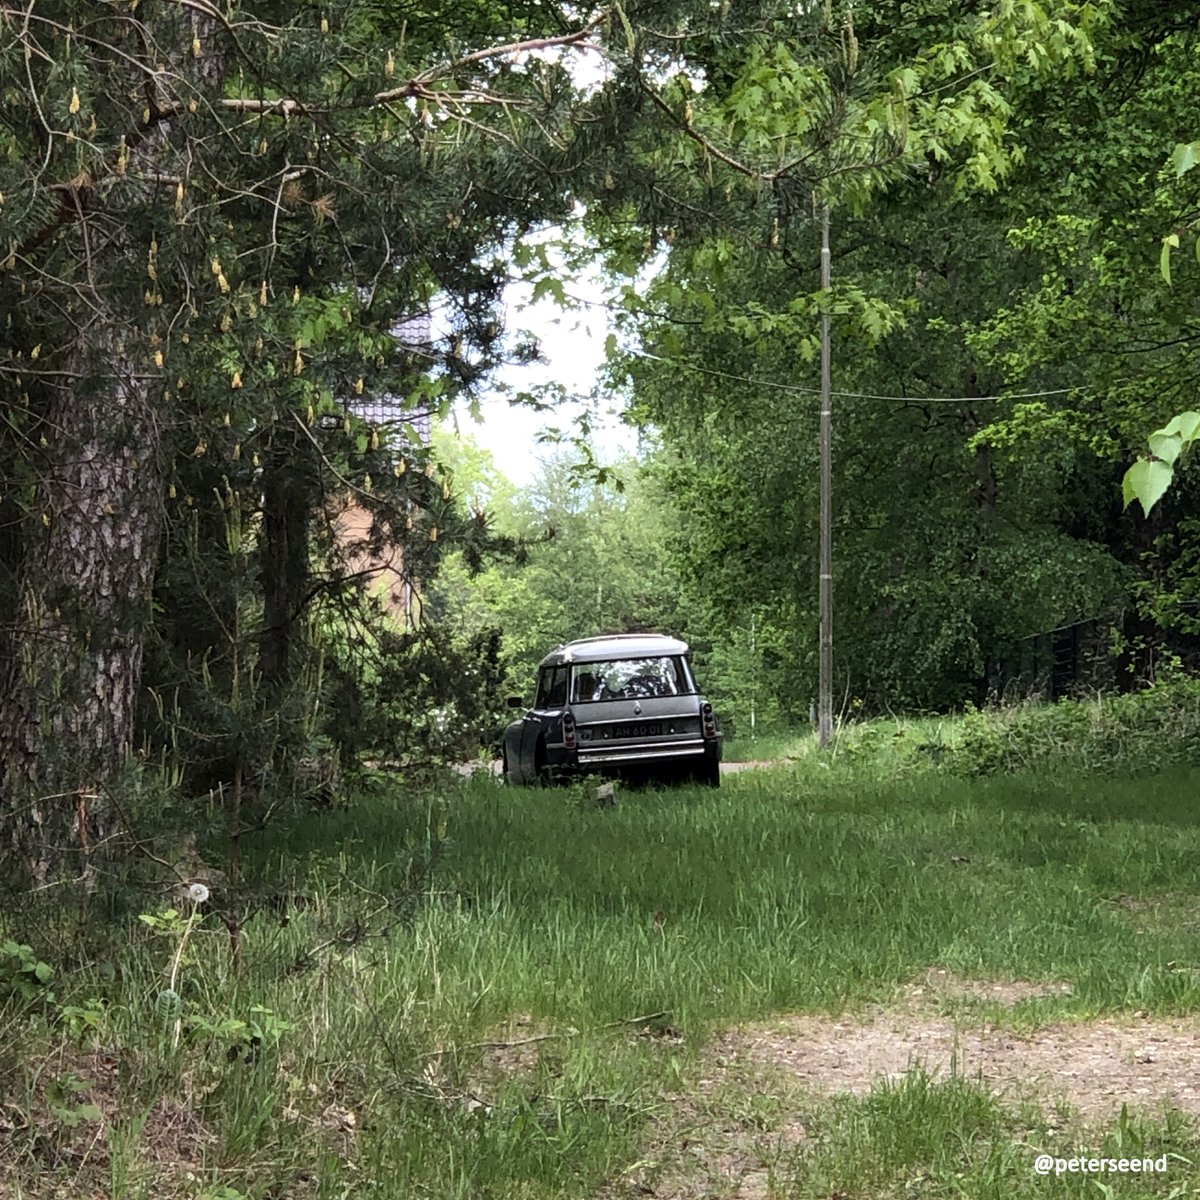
(197, 893)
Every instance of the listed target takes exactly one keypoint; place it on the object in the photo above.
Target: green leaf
(1166, 446)
(1146, 481)
(549, 286)
(1186, 426)
(1185, 156)
(1164, 260)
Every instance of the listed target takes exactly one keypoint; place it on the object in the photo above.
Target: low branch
(698, 137)
(418, 87)
(565, 39)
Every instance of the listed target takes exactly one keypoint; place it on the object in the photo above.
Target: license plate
(641, 729)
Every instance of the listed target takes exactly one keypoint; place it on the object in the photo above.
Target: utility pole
(825, 593)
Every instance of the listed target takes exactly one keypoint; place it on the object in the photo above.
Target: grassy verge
(1149, 730)
(883, 743)
(485, 991)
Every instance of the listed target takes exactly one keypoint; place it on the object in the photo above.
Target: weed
(23, 976)
(1143, 731)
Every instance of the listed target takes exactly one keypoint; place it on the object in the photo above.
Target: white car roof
(620, 645)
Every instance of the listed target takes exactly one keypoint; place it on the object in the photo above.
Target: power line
(810, 391)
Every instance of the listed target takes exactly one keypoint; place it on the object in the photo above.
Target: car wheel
(707, 773)
(545, 774)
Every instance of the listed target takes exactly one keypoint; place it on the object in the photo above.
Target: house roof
(620, 645)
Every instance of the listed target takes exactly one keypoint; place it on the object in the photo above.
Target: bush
(1140, 731)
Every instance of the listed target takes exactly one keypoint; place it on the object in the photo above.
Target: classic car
(625, 703)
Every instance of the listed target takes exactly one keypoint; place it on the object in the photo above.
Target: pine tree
(210, 225)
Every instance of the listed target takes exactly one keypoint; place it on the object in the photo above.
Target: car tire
(545, 774)
(707, 773)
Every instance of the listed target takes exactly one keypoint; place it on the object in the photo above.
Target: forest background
(218, 223)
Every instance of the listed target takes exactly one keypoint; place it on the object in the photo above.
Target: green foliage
(409, 697)
(83, 1021)
(743, 669)
(23, 976)
(947, 554)
(1148, 479)
(1094, 318)
(1143, 731)
(232, 1036)
(589, 559)
(995, 357)
(64, 1098)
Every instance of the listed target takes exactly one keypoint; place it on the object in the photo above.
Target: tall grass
(788, 890)
(476, 990)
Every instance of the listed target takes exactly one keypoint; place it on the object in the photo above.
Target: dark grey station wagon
(624, 703)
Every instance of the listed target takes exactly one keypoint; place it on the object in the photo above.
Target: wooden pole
(825, 594)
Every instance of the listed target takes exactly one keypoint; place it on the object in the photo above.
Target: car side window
(552, 687)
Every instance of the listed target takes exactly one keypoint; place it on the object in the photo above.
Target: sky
(572, 347)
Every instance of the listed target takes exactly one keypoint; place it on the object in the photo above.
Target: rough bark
(85, 584)
(91, 535)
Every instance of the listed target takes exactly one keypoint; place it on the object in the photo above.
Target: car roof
(620, 645)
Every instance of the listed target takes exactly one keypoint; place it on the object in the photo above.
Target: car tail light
(708, 720)
(569, 731)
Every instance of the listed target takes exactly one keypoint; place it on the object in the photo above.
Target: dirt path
(715, 1143)
(1091, 1067)
(732, 768)
(727, 768)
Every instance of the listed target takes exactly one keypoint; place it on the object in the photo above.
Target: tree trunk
(287, 503)
(85, 584)
(91, 538)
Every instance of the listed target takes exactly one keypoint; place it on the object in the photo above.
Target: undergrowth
(1123, 733)
(471, 990)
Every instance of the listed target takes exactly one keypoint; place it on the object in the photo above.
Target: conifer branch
(709, 147)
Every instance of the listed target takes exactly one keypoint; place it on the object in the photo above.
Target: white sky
(572, 345)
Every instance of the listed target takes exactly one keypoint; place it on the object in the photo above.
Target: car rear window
(552, 687)
(630, 679)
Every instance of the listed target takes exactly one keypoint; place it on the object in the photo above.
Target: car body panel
(633, 702)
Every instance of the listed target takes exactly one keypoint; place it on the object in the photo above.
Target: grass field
(480, 991)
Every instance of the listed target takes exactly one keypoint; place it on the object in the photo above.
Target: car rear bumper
(692, 748)
(601, 758)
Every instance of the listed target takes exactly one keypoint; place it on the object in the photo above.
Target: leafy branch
(1148, 479)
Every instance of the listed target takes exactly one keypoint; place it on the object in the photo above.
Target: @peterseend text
(1047, 1164)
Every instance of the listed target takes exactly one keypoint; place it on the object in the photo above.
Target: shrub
(1139, 731)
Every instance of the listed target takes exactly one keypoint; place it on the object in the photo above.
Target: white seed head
(197, 893)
